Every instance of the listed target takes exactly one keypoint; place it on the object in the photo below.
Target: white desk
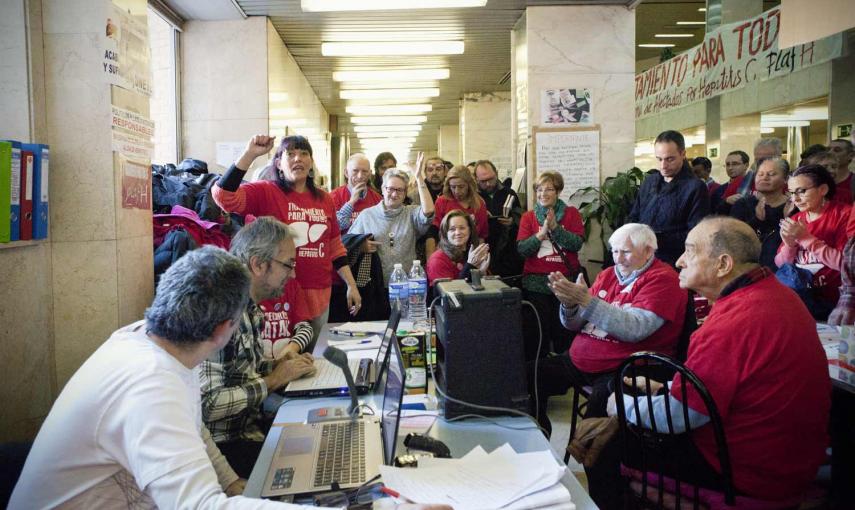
(459, 436)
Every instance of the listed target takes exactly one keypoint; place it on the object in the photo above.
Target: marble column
(485, 129)
(101, 253)
(448, 143)
(580, 47)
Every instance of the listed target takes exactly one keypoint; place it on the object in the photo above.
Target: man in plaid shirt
(235, 380)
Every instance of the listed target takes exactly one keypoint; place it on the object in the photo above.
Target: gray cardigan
(396, 230)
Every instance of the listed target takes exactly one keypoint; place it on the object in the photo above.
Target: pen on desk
(350, 333)
(389, 492)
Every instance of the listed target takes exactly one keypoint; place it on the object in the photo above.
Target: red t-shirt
(443, 205)
(313, 220)
(831, 229)
(547, 258)
(759, 356)
(850, 225)
(657, 290)
(440, 265)
(843, 191)
(341, 195)
(281, 315)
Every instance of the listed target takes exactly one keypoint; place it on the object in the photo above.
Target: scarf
(540, 211)
(631, 277)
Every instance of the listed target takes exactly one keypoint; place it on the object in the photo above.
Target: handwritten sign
(572, 152)
(728, 59)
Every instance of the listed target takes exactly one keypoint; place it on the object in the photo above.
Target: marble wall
(448, 143)
(63, 297)
(590, 47)
(485, 129)
(224, 95)
(293, 106)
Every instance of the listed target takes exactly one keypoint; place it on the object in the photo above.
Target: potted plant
(609, 205)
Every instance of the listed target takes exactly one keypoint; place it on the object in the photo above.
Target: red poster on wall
(136, 185)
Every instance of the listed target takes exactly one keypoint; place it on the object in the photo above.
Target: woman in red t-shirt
(460, 192)
(459, 251)
(294, 199)
(813, 239)
(551, 221)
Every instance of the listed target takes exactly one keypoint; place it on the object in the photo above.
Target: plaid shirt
(847, 274)
(232, 385)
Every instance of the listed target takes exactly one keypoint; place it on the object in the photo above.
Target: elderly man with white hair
(637, 305)
(355, 195)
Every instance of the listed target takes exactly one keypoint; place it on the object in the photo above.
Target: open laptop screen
(393, 395)
(388, 337)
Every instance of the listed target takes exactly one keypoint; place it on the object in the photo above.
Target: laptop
(310, 457)
(328, 380)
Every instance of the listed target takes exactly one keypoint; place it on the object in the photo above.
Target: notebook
(329, 380)
(310, 457)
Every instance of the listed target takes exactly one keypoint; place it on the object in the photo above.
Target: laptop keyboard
(341, 457)
(328, 375)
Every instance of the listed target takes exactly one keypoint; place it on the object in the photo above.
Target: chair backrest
(654, 442)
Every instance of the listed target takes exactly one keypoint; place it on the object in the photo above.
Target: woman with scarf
(460, 251)
(395, 226)
(548, 235)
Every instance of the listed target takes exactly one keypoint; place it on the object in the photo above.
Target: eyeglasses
(290, 267)
(800, 192)
(391, 190)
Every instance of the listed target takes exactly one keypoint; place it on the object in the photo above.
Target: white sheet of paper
(357, 344)
(229, 152)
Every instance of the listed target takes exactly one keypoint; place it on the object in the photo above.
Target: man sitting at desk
(768, 378)
(238, 378)
(635, 306)
(127, 428)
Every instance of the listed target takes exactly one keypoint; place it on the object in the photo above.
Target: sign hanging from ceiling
(728, 59)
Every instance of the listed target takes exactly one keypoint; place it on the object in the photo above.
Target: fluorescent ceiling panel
(377, 129)
(382, 120)
(389, 93)
(399, 109)
(385, 48)
(392, 75)
(387, 134)
(378, 5)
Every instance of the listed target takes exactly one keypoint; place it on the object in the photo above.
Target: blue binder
(41, 211)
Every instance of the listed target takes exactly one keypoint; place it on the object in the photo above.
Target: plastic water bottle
(418, 296)
(399, 290)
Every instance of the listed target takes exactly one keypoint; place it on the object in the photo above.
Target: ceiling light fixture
(400, 109)
(387, 134)
(392, 75)
(662, 36)
(691, 22)
(657, 45)
(702, 9)
(381, 48)
(389, 93)
(388, 141)
(377, 5)
(401, 119)
(378, 129)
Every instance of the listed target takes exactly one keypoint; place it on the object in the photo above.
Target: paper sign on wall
(572, 152)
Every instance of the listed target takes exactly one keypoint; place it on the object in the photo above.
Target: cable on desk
(535, 426)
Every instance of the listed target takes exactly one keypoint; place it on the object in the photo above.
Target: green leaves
(609, 204)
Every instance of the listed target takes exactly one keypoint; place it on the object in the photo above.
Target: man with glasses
(741, 183)
(235, 380)
(504, 224)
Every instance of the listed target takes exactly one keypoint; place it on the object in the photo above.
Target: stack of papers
(484, 481)
(357, 344)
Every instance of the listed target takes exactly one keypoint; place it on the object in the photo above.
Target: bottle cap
(398, 266)
(417, 262)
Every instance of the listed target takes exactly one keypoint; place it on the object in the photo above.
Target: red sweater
(657, 290)
(341, 195)
(313, 220)
(547, 258)
(822, 251)
(768, 376)
(440, 265)
(443, 205)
